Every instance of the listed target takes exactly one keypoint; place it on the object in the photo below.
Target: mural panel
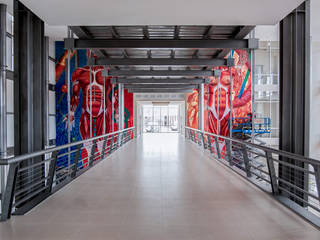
(94, 105)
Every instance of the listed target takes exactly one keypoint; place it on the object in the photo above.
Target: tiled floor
(159, 187)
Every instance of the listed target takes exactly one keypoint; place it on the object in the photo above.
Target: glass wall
(160, 119)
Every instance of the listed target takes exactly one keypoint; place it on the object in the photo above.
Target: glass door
(160, 119)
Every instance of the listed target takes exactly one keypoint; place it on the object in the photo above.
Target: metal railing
(33, 177)
(292, 179)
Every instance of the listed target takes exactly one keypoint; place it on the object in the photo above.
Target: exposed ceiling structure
(161, 58)
(58, 14)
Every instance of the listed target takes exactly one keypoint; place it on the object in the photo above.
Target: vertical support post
(272, 173)
(69, 99)
(201, 107)
(8, 195)
(93, 148)
(295, 97)
(76, 160)
(228, 150)
(3, 91)
(231, 104)
(252, 53)
(246, 160)
(121, 106)
(52, 171)
(217, 146)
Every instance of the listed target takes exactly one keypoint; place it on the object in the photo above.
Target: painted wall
(217, 96)
(94, 103)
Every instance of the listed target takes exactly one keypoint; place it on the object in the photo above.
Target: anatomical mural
(94, 105)
(217, 96)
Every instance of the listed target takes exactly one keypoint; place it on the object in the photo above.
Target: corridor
(159, 186)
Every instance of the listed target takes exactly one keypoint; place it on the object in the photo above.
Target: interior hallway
(159, 187)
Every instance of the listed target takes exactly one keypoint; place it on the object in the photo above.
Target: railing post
(246, 160)
(76, 160)
(8, 195)
(104, 147)
(272, 173)
(111, 144)
(203, 141)
(199, 138)
(217, 147)
(52, 171)
(228, 150)
(209, 143)
(118, 141)
(93, 148)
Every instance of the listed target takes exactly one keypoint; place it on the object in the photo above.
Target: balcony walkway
(159, 187)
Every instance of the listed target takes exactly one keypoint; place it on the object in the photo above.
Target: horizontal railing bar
(49, 150)
(299, 198)
(255, 167)
(297, 188)
(264, 179)
(30, 196)
(32, 185)
(34, 165)
(67, 153)
(294, 166)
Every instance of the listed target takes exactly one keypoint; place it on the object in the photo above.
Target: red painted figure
(95, 92)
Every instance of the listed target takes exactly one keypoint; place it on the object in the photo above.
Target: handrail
(258, 165)
(276, 151)
(23, 157)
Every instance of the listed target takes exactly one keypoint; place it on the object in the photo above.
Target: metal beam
(82, 32)
(161, 43)
(163, 61)
(165, 73)
(160, 81)
(160, 90)
(164, 86)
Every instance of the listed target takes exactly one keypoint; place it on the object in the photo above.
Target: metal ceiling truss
(159, 81)
(164, 61)
(160, 90)
(71, 43)
(159, 73)
(155, 86)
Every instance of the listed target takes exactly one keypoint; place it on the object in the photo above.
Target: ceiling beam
(163, 61)
(160, 43)
(165, 86)
(159, 81)
(160, 90)
(82, 32)
(162, 73)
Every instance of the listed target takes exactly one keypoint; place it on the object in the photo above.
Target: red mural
(217, 96)
(193, 109)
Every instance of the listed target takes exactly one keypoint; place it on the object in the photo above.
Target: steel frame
(71, 43)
